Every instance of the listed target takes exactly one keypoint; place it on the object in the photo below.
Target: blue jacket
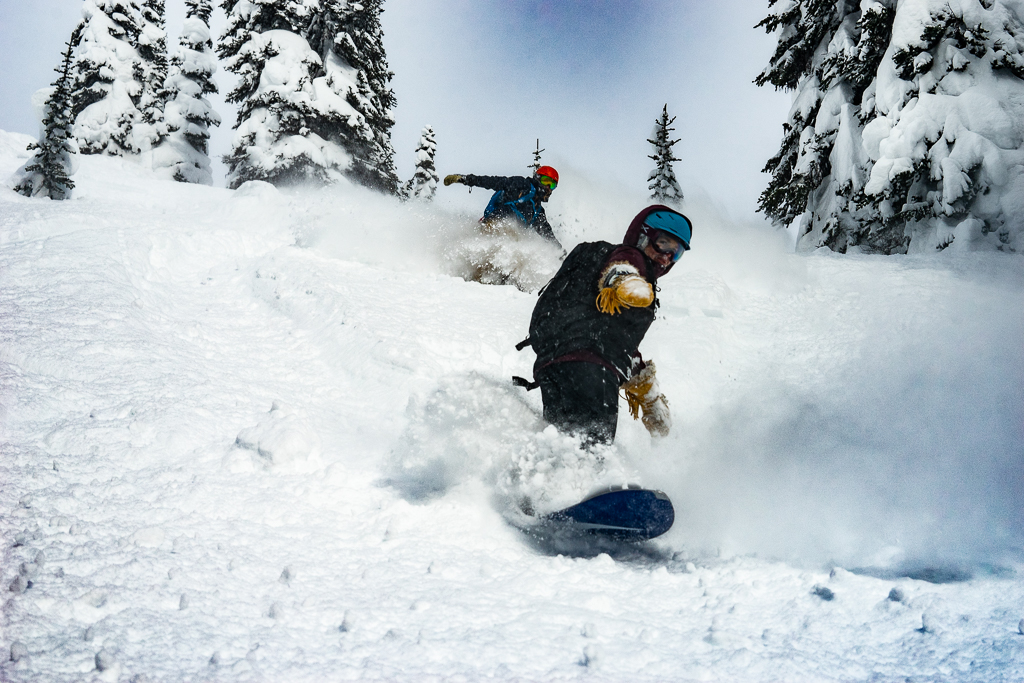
(515, 197)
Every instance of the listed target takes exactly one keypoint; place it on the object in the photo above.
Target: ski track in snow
(241, 444)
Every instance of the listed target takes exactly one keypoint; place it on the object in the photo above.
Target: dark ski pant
(581, 398)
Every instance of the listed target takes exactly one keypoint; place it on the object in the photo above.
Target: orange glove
(642, 392)
(623, 287)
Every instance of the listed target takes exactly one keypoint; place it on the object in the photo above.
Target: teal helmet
(671, 222)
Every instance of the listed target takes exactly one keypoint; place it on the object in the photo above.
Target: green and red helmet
(547, 172)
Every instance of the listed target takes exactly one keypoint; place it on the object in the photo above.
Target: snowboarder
(589, 321)
(516, 198)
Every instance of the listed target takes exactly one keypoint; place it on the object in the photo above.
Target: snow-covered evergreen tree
(282, 101)
(107, 88)
(349, 39)
(423, 184)
(663, 184)
(536, 157)
(49, 171)
(151, 71)
(904, 133)
(188, 114)
(805, 24)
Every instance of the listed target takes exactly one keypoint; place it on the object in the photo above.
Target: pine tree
(151, 71)
(276, 136)
(829, 52)
(897, 137)
(49, 171)
(349, 40)
(188, 114)
(249, 18)
(423, 184)
(663, 184)
(536, 157)
(106, 88)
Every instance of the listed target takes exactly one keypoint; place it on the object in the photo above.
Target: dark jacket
(517, 198)
(566, 324)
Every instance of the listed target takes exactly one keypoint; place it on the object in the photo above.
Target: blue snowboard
(623, 514)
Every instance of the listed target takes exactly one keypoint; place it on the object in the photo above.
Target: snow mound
(13, 154)
(15, 145)
(284, 438)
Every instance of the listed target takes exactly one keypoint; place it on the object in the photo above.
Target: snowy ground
(269, 436)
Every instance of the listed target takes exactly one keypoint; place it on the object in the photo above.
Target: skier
(589, 321)
(516, 197)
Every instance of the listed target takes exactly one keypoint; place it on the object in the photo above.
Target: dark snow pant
(581, 398)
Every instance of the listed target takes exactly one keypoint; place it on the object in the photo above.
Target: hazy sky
(587, 77)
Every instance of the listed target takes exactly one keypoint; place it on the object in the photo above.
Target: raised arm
(496, 182)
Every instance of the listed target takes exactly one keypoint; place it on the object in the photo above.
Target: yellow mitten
(642, 391)
(453, 178)
(623, 287)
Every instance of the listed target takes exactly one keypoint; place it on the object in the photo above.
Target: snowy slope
(269, 436)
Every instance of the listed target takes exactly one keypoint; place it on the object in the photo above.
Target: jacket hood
(633, 235)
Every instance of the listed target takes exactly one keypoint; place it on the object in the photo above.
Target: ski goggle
(665, 244)
(547, 182)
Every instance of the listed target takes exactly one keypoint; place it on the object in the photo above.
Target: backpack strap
(520, 381)
(525, 383)
(515, 203)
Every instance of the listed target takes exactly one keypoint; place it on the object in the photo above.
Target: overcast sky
(586, 77)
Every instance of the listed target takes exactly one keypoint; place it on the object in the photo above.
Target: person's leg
(581, 398)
